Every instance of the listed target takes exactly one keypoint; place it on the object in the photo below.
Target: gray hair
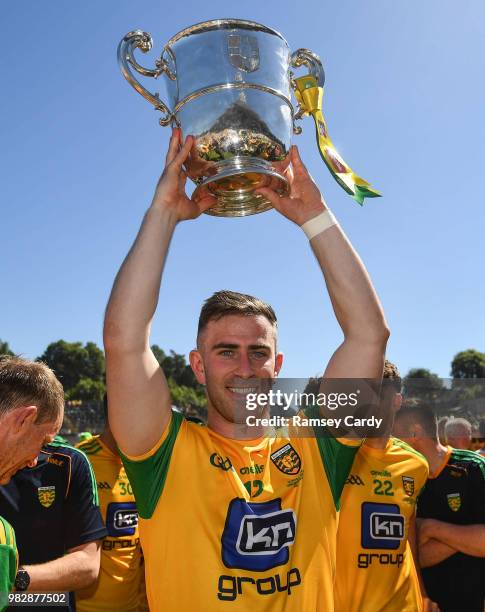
(456, 428)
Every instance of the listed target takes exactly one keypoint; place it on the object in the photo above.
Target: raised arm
(354, 300)
(139, 397)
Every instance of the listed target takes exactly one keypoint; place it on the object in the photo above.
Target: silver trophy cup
(229, 85)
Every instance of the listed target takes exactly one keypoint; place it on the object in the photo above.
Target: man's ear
(278, 363)
(197, 365)
(23, 418)
(417, 431)
(396, 402)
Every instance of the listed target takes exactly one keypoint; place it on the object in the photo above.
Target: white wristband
(319, 224)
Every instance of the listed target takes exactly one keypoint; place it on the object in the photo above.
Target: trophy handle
(305, 57)
(143, 41)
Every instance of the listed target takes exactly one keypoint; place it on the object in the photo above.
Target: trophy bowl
(229, 85)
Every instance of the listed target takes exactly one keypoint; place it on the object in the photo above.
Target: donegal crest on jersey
(46, 495)
(408, 485)
(454, 501)
(287, 460)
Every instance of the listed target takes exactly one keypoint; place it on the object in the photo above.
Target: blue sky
(81, 153)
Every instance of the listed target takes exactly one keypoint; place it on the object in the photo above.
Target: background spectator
(451, 515)
(458, 433)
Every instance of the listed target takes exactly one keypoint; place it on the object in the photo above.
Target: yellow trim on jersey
(350, 441)
(7, 534)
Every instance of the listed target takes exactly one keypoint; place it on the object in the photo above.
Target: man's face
(390, 402)
(403, 429)
(22, 445)
(235, 352)
(463, 441)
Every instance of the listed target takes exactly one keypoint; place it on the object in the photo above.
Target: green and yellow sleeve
(8, 561)
(337, 455)
(147, 473)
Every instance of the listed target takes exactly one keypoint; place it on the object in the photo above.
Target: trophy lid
(223, 24)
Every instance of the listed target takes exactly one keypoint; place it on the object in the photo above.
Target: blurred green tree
(5, 349)
(71, 362)
(468, 364)
(87, 390)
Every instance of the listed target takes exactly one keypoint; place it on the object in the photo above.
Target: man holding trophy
(212, 538)
(205, 540)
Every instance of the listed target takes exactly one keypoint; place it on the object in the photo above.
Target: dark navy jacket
(53, 506)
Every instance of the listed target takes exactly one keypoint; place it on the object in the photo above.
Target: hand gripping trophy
(229, 85)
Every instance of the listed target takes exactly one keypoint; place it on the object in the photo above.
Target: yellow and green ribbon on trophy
(310, 98)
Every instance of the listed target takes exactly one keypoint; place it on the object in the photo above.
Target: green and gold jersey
(375, 566)
(8, 561)
(239, 524)
(121, 573)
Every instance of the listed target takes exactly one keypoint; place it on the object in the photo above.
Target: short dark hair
(391, 378)
(24, 382)
(224, 303)
(420, 412)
